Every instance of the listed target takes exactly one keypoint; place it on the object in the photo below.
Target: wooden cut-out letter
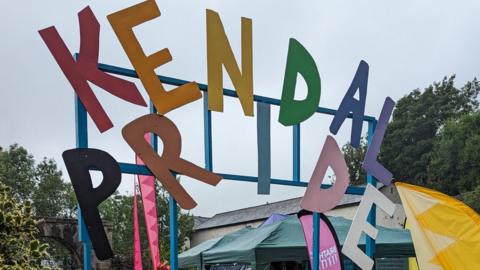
(85, 69)
(370, 163)
(350, 104)
(134, 132)
(79, 162)
(122, 23)
(321, 200)
(360, 224)
(263, 144)
(299, 61)
(219, 54)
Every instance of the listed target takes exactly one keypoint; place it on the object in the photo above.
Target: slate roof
(198, 220)
(260, 212)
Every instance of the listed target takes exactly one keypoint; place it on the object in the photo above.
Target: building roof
(260, 212)
(198, 220)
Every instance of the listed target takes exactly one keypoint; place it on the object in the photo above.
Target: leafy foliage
(455, 161)
(417, 120)
(472, 198)
(41, 184)
(17, 171)
(51, 197)
(354, 158)
(19, 246)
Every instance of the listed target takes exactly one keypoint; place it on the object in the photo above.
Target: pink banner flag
(137, 250)
(329, 257)
(147, 189)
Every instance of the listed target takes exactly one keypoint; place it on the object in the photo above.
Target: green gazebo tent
(193, 258)
(283, 241)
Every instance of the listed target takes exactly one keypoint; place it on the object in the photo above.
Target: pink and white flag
(147, 190)
(329, 257)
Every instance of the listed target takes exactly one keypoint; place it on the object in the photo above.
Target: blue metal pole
(296, 153)
(369, 242)
(154, 138)
(173, 234)
(316, 241)
(128, 168)
(207, 133)
(81, 134)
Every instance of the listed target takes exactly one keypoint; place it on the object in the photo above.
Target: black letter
(78, 162)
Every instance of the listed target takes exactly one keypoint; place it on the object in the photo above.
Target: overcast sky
(408, 45)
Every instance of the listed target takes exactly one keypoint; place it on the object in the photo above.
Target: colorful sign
(84, 68)
(329, 247)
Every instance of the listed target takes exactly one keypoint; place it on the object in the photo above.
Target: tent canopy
(284, 241)
(194, 256)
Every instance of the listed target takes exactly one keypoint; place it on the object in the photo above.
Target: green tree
(354, 158)
(40, 183)
(472, 198)
(455, 160)
(50, 198)
(410, 137)
(17, 171)
(19, 246)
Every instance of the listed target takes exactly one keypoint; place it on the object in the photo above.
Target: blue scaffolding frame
(81, 133)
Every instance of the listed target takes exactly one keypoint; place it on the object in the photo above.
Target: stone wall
(65, 231)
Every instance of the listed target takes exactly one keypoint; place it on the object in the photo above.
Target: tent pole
(369, 242)
(316, 241)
